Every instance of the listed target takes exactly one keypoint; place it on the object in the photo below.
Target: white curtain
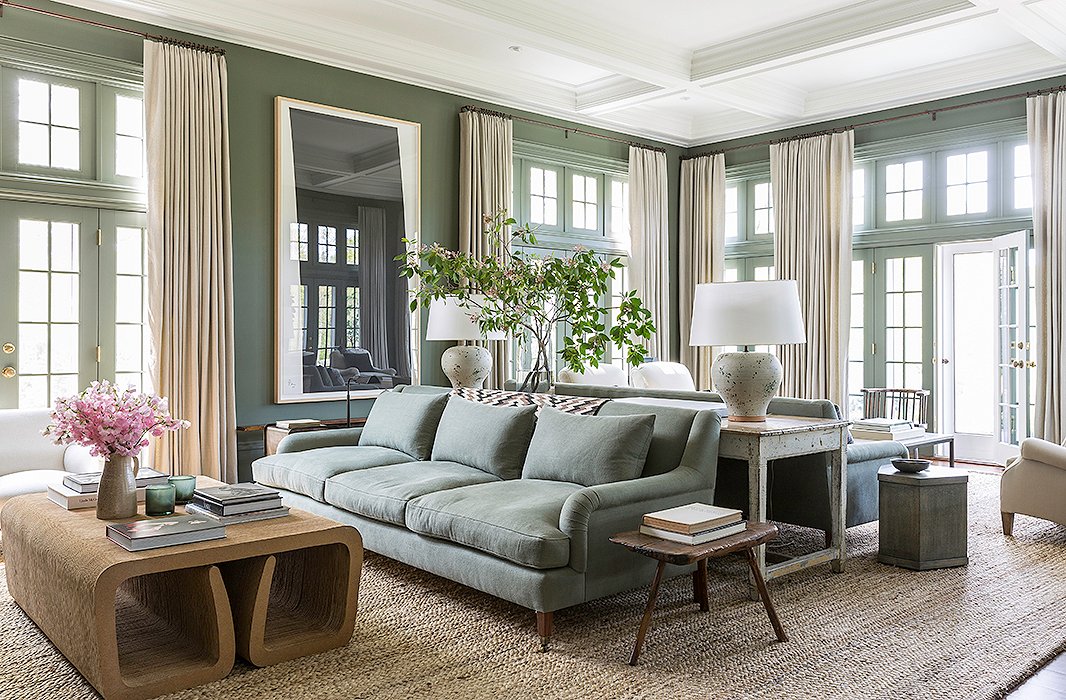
(1046, 116)
(811, 181)
(702, 247)
(376, 271)
(190, 302)
(486, 165)
(649, 233)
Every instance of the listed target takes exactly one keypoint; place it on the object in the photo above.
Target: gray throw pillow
(493, 439)
(404, 421)
(588, 450)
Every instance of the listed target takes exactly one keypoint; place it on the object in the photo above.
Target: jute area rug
(872, 632)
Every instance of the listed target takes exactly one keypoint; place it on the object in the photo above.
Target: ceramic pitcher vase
(117, 495)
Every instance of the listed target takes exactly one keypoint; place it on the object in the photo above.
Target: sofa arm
(313, 439)
(1049, 453)
(623, 502)
(875, 449)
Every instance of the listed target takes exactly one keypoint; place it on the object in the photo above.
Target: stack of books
(78, 491)
(294, 423)
(235, 504)
(164, 532)
(696, 523)
(885, 429)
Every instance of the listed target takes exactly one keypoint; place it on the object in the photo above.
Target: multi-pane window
(351, 246)
(585, 202)
(298, 338)
(619, 208)
(129, 136)
(327, 322)
(48, 311)
(352, 328)
(1023, 178)
(732, 213)
(903, 322)
(904, 185)
(543, 196)
(131, 311)
(327, 244)
(856, 341)
(967, 183)
(49, 125)
(298, 242)
(764, 208)
(858, 197)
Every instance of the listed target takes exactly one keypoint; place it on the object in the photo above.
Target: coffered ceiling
(687, 72)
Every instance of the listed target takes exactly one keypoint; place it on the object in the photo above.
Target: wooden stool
(682, 554)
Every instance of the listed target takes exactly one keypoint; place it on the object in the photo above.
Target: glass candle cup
(159, 499)
(183, 488)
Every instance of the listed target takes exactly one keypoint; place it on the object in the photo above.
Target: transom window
(619, 208)
(732, 213)
(543, 196)
(327, 244)
(764, 208)
(858, 197)
(904, 190)
(967, 183)
(129, 136)
(1023, 178)
(298, 242)
(585, 207)
(49, 122)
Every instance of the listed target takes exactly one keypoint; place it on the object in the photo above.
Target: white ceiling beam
(618, 92)
(1023, 19)
(758, 95)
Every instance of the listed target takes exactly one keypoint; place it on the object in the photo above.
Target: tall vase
(117, 495)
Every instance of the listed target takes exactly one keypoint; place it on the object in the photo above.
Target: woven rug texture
(874, 631)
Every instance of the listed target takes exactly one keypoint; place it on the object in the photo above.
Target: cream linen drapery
(649, 235)
(1046, 118)
(486, 165)
(702, 246)
(811, 181)
(190, 303)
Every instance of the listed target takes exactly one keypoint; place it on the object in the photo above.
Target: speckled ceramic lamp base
(747, 381)
(467, 366)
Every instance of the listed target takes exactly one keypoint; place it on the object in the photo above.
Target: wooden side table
(923, 518)
(667, 552)
(274, 435)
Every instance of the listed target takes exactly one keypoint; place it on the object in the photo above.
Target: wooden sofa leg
(545, 627)
(1008, 523)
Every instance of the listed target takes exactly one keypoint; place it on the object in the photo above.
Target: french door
(72, 285)
(985, 340)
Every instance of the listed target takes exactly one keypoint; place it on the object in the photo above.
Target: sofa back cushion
(493, 439)
(588, 450)
(404, 421)
(24, 447)
(669, 437)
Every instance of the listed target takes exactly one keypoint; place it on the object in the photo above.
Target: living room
(261, 213)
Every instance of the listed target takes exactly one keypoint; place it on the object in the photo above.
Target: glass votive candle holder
(159, 499)
(183, 487)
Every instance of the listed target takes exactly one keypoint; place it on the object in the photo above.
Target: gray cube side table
(923, 518)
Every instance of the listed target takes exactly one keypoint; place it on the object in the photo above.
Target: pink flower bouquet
(111, 421)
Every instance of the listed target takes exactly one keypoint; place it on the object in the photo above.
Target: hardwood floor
(1049, 683)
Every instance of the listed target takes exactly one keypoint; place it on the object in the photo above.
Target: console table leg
(765, 595)
(838, 501)
(646, 622)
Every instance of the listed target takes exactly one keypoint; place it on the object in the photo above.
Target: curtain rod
(153, 37)
(885, 120)
(568, 129)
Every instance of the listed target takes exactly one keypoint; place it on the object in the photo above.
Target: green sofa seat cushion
(493, 439)
(588, 450)
(306, 472)
(382, 493)
(404, 421)
(516, 520)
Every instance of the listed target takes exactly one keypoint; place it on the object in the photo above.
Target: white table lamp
(466, 366)
(747, 313)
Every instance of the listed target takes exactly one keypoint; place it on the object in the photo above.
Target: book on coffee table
(140, 535)
(90, 483)
(236, 499)
(277, 512)
(72, 500)
(692, 518)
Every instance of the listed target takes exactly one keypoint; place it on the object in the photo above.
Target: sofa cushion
(669, 437)
(306, 472)
(382, 493)
(32, 481)
(588, 450)
(517, 519)
(404, 421)
(503, 435)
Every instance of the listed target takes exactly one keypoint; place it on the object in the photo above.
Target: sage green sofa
(541, 543)
(799, 487)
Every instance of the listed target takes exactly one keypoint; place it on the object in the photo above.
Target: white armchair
(604, 375)
(1034, 484)
(29, 462)
(662, 375)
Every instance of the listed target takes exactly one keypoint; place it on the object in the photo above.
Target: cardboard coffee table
(142, 624)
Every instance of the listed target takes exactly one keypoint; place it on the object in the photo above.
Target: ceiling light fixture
(516, 48)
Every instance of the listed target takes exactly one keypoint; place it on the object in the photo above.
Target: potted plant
(529, 295)
(114, 424)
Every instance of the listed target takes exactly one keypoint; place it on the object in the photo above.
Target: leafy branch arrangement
(528, 295)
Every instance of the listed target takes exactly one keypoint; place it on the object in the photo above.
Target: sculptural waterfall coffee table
(141, 624)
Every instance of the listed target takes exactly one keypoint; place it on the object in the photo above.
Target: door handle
(1031, 364)
(8, 372)
(9, 348)
(944, 361)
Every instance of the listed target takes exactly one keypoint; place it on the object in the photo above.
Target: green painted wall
(255, 78)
